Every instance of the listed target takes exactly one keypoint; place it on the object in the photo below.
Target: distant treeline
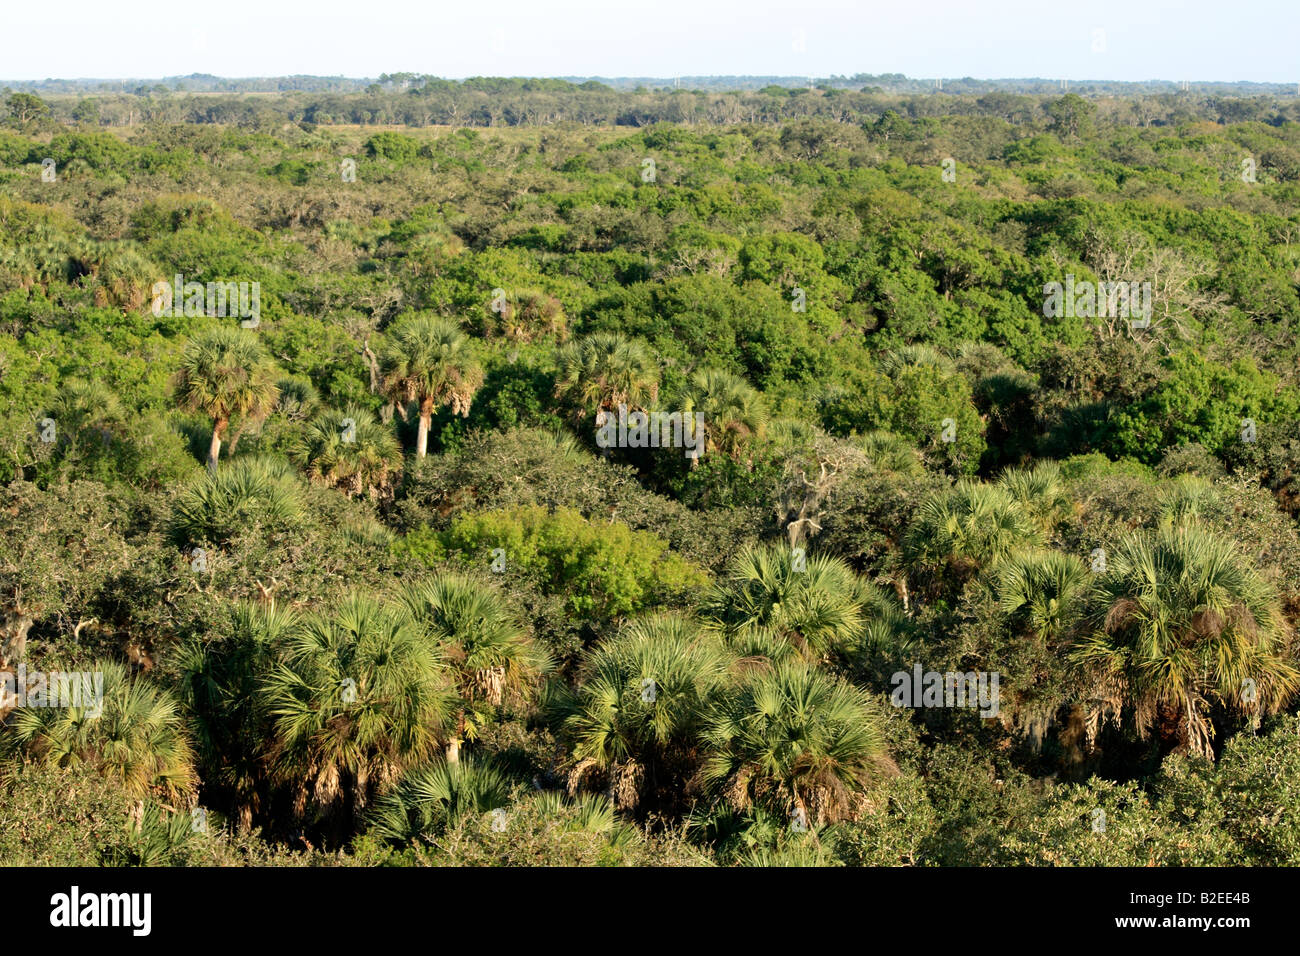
(408, 99)
(888, 82)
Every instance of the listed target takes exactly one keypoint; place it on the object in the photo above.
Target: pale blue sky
(1142, 39)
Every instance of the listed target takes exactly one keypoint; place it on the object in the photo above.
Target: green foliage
(349, 449)
(814, 603)
(396, 147)
(968, 528)
(313, 637)
(603, 570)
(355, 698)
(640, 701)
(439, 794)
(1184, 623)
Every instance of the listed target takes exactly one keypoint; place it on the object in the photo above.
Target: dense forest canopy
(326, 455)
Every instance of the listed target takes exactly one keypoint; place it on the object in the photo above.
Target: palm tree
(817, 606)
(1186, 497)
(639, 702)
(529, 315)
(358, 697)
(968, 527)
(491, 657)
(792, 738)
(586, 813)
(1184, 623)
(297, 399)
(253, 495)
(1041, 492)
(889, 452)
(1045, 592)
(733, 411)
(429, 361)
(911, 356)
(220, 687)
(122, 275)
(224, 373)
(605, 370)
(86, 406)
(349, 449)
(138, 737)
(806, 853)
(437, 795)
(1043, 596)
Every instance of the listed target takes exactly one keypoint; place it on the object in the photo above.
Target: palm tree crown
(358, 697)
(604, 370)
(733, 410)
(1183, 623)
(813, 603)
(792, 738)
(348, 449)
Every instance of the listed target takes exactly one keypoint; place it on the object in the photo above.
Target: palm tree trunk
(1171, 724)
(373, 362)
(611, 787)
(422, 437)
(453, 750)
(214, 449)
(17, 622)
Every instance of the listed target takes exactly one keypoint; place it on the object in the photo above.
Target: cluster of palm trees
(733, 707)
(428, 363)
(1171, 625)
(357, 715)
(322, 715)
(605, 370)
(136, 735)
(326, 710)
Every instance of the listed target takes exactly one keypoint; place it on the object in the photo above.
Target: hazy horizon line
(604, 78)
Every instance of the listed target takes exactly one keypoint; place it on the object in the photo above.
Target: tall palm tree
(491, 658)
(733, 411)
(429, 361)
(358, 697)
(640, 697)
(1184, 623)
(348, 449)
(604, 370)
(224, 373)
(792, 738)
(817, 607)
(138, 738)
